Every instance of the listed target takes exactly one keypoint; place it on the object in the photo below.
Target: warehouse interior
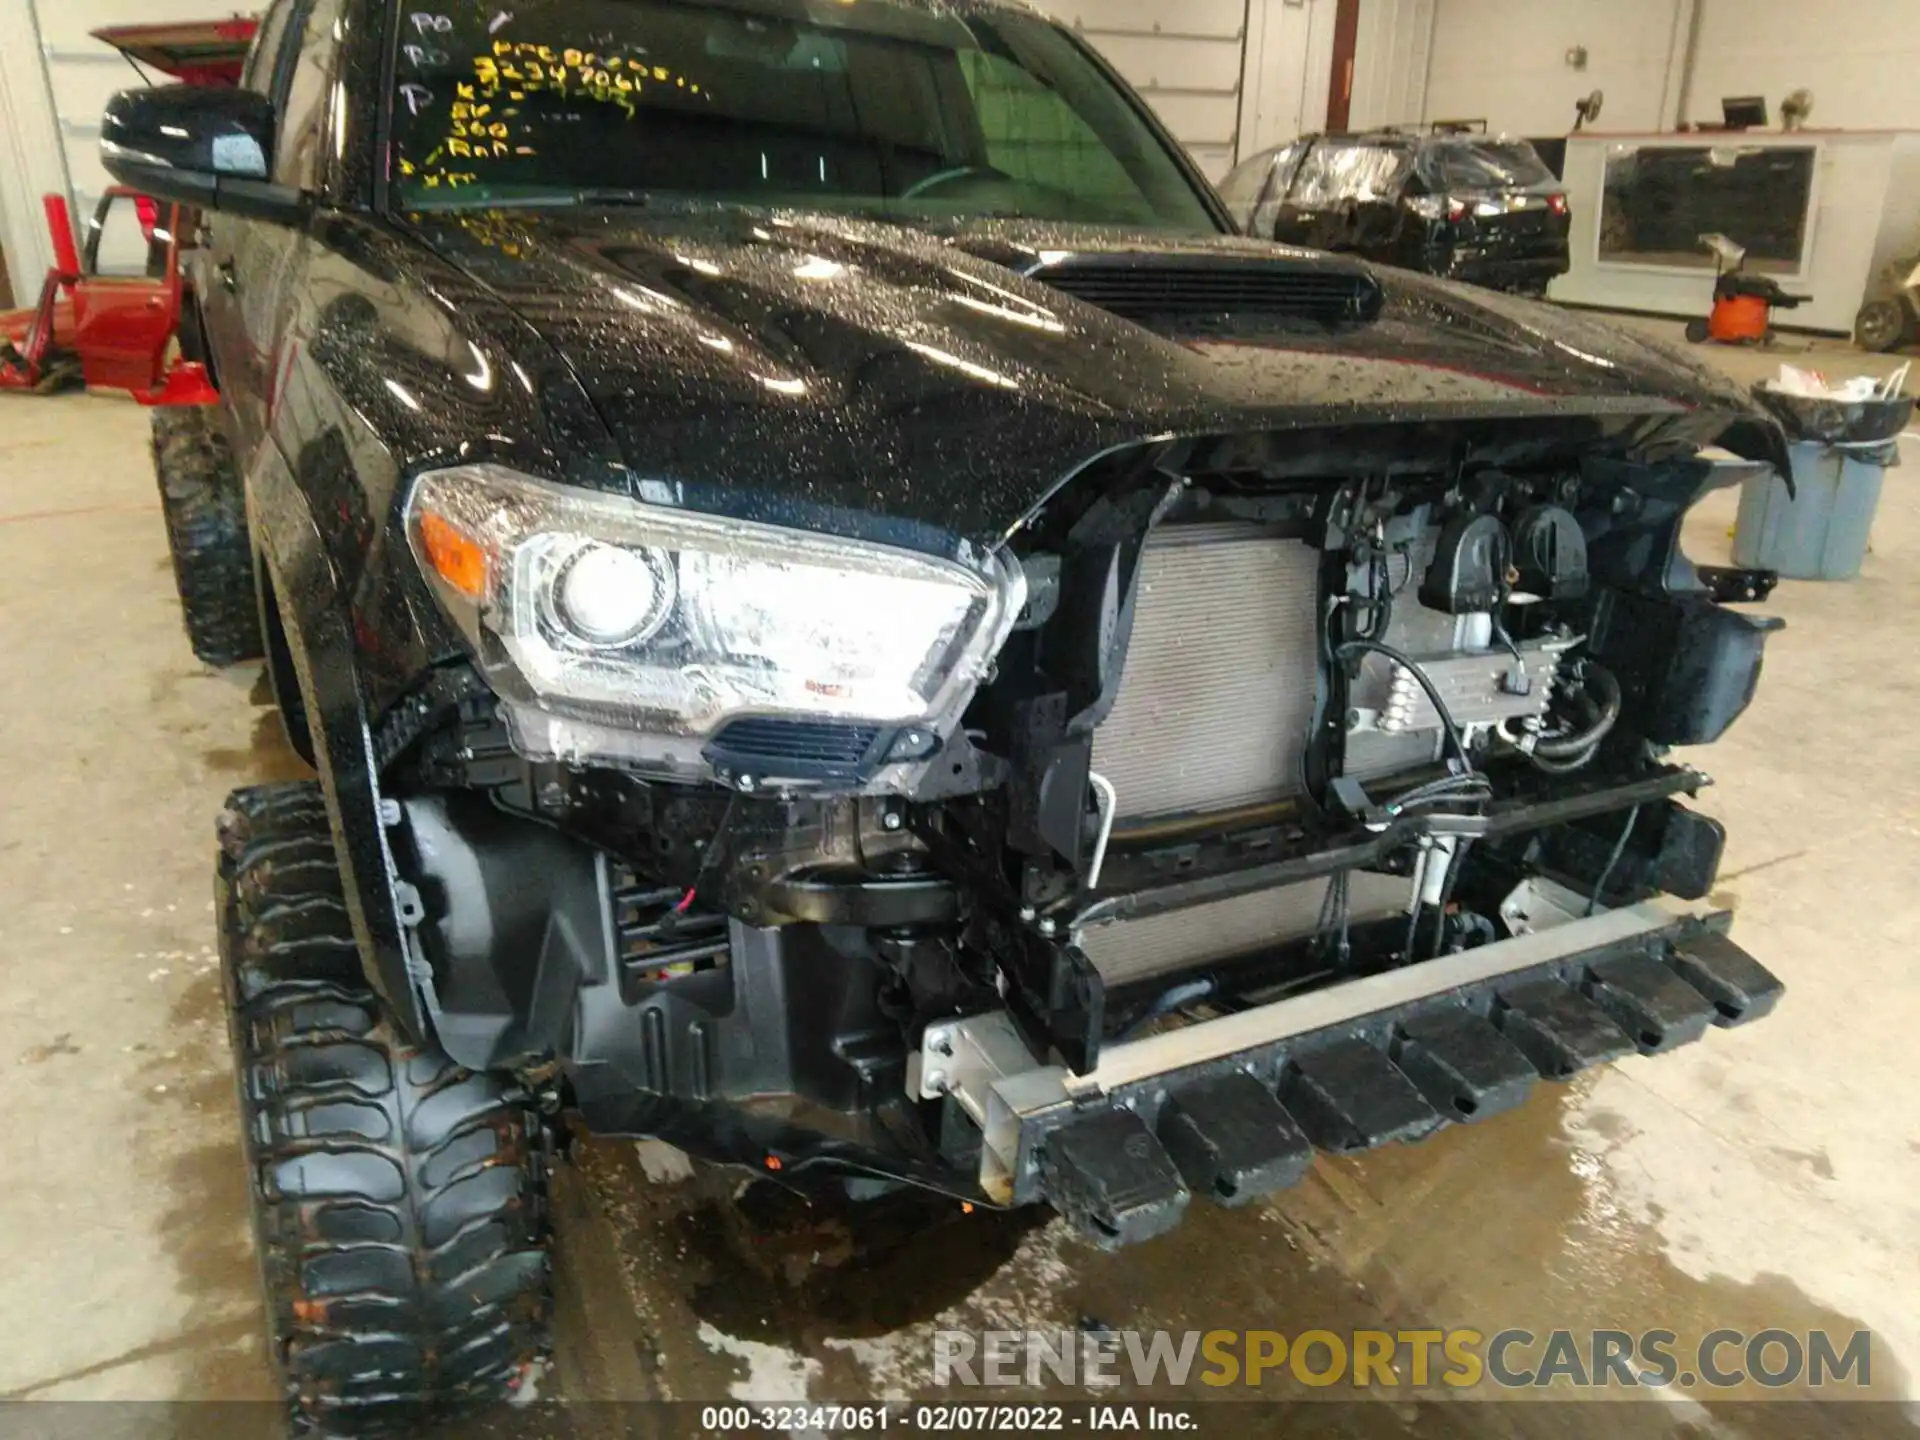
(1762, 1180)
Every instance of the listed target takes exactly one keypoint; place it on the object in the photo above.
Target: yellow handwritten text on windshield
(487, 117)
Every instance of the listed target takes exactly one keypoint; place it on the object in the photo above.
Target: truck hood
(933, 388)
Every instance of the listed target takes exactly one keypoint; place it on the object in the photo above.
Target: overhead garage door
(1186, 56)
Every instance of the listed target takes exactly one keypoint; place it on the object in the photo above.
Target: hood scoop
(1145, 288)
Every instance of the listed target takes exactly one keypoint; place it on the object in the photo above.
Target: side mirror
(208, 146)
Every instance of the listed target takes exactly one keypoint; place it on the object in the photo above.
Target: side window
(1378, 176)
(1267, 215)
(1313, 182)
(1038, 139)
(303, 114)
(261, 61)
(1333, 173)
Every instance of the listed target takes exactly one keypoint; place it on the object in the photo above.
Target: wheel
(206, 515)
(1697, 332)
(399, 1202)
(1881, 325)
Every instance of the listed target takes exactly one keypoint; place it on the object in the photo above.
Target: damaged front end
(1305, 789)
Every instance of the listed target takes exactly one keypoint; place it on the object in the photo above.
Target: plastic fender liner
(1689, 666)
(513, 920)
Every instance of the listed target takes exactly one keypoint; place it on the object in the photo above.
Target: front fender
(292, 557)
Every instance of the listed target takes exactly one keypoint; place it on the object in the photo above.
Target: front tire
(206, 514)
(399, 1202)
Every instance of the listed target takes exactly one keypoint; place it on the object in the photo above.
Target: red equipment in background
(1743, 304)
(117, 331)
(105, 331)
(200, 52)
(35, 345)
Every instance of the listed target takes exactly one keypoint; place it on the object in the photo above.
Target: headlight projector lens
(609, 596)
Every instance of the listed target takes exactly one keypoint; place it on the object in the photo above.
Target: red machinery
(116, 331)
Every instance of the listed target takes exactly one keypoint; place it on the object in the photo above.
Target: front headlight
(656, 620)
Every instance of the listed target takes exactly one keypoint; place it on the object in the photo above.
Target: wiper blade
(586, 195)
(487, 200)
(612, 195)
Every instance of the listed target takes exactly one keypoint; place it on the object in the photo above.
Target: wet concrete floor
(1765, 1179)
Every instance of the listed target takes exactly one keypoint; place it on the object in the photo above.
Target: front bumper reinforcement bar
(1234, 1107)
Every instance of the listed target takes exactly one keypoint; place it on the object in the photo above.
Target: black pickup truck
(844, 621)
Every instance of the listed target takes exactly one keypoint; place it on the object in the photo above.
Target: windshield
(1485, 165)
(900, 108)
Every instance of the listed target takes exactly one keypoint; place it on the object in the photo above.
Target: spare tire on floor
(206, 513)
(399, 1202)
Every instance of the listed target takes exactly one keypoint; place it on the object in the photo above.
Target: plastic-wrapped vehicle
(846, 622)
(1472, 207)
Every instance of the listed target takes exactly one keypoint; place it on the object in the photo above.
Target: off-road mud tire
(399, 1202)
(206, 514)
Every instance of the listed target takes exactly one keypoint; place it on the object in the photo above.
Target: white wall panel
(1289, 70)
(1185, 56)
(1505, 61)
(32, 159)
(1861, 59)
(1390, 62)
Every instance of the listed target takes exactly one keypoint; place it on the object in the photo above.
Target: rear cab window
(1456, 166)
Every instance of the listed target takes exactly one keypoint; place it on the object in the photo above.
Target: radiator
(1213, 714)
(1134, 950)
(1218, 694)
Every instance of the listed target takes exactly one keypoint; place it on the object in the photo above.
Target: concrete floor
(1767, 1177)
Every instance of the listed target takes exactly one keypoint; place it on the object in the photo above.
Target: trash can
(1841, 451)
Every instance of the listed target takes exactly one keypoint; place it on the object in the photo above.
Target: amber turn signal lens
(456, 556)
